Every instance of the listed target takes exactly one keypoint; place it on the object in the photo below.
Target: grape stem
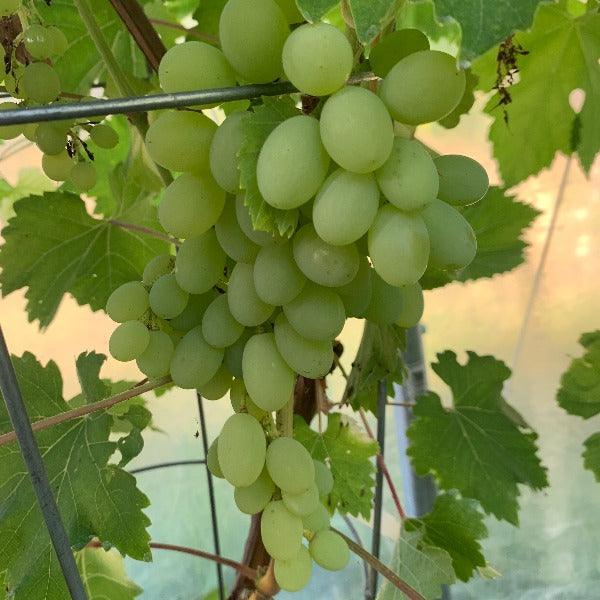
(146, 230)
(68, 415)
(266, 586)
(285, 419)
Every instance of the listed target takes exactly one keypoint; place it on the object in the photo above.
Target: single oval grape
(294, 574)
(232, 239)
(194, 362)
(312, 359)
(399, 246)
(241, 449)
(104, 136)
(245, 306)
(57, 166)
(329, 550)
(218, 385)
(302, 504)
(252, 34)
(155, 360)
(241, 401)
(408, 178)
(194, 311)
(357, 130)
(50, 138)
(224, 152)
(219, 327)
(318, 519)
(323, 478)
(253, 498)
(128, 302)
(212, 459)
(290, 465)
(167, 298)
(262, 238)
(356, 295)
(37, 41)
(235, 353)
(128, 341)
(58, 40)
(345, 207)
(386, 302)
(281, 531)
(317, 59)
(412, 306)
(292, 163)
(261, 356)
(463, 181)
(156, 267)
(453, 241)
(393, 47)
(423, 87)
(40, 83)
(83, 176)
(200, 263)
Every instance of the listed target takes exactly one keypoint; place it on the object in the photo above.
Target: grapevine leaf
(96, 499)
(313, 10)
(88, 365)
(499, 221)
(257, 125)
(579, 392)
(423, 566)
(208, 14)
(103, 575)
(591, 454)
(53, 246)
(474, 446)
(455, 525)
(349, 452)
(563, 56)
(370, 17)
(485, 23)
(30, 181)
(378, 358)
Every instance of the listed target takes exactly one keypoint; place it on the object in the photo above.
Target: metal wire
(165, 465)
(39, 478)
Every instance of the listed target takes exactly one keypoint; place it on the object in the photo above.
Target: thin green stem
(285, 419)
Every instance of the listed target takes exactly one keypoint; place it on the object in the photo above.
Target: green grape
(180, 140)
(294, 574)
(245, 306)
(242, 447)
(463, 181)
(398, 246)
(453, 241)
(423, 87)
(224, 152)
(412, 306)
(323, 478)
(9, 7)
(241, 402)
(331, 266)
(386, 302)
(232, 239)
(58, 40)
(329, 550)
(309, 358)
(28, 130)
(128, 341)
(277, 278)
(317, 59)
(192, 66)
(191, 205)
(408, 179)
(158, 266)
(155, 361)
(219, 327)
(290, 10)
(292, 163)
(212, 460)
(281, 531)
(194, 362)
(50, 138)
(302, 504)
(290, 465)
(317, 520)
(40, 83)
(345, 207)
(393, 47)
(194, 311)
(218, 386)
(357, 130)
(83, 176)
(262, 238)
(167, 299)
(200, 263)
(356, 295)
(57, 166)
(36, 42)
(9, 132)
(261, 356)
(128, 302)
(316, 313)
(253, 498)
(235, 353)
(104, 136)
(252, 34)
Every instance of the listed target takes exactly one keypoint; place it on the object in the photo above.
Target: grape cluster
(245, 311)
(64, 144)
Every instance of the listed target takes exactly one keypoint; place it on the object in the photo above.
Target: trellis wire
(165, 465)
(35, 466)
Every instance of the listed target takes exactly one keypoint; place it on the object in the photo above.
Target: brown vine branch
(81, 411)
(146, 230)
(384, 571)
(381, 465)
(194, 31)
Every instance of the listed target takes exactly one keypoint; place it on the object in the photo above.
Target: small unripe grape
(290, 465)
(323, 478)
(217, 386)
(356, 295)
(200, 263)
(281, 531)
(241, 401)
(317, 59)
(386, 302)
(253, 498)
(463, 181)
(304, 503)
(231, 238)
(224, 151)
(83, 176)
(235, 353)
(317, 520)
(104, 136)
(128, 302)
(128, 341)
(412, 306)
(50, 138)
(194, 311)
(40, 83)
(37, 41)
(245, 305)
(57, 166)
(219, 327)
(158, 266)
(393, 47)
(212, 460)
(167, 299)
(9, 132)
(155, 360)
(57, 39)
(294, 574)
(329, 550)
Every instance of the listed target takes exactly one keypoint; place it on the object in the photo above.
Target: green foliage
(591, 454)
(314, 10)
(96, 499)
(30, 181)
(207, 14)
(52, 246)
(475, 446)
(371, 16)
(349, 452)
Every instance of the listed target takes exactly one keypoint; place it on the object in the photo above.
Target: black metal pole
(211, 497)
(39, 479)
